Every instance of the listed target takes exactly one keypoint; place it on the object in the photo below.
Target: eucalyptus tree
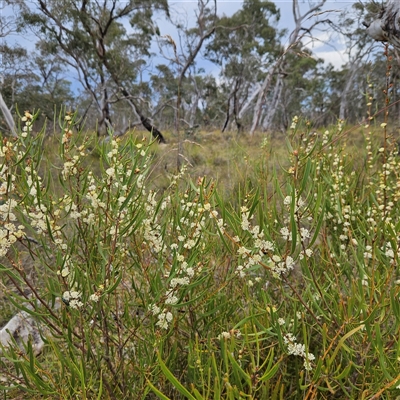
(274, 75)
(359, 50)
(93, 39)
(295, 86)
(164, 86)
(181, 54)
(243, 46)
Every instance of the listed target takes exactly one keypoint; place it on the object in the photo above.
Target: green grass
(267, 270)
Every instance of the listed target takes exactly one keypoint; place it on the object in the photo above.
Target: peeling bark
(386, 26)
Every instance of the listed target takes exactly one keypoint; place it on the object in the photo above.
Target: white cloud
(335, 57)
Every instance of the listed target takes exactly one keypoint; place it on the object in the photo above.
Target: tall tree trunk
(275, 101)
(344, 99)
(7, 116)
(263, 91)
(193, 109)
(295, 36)
(249, 100)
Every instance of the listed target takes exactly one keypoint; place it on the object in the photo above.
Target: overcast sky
(331, 49)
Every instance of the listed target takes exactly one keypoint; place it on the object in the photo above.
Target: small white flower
(168, 316)
(304, 233)
(287, 201)
(94, 297)
(285, 233)
(242, 251)
(224, 335)
(155, 309)
(110, 172)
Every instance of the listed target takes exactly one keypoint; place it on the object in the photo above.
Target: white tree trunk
(295, 37)
(344, 100)
(264, 89)
(248, 102)
(271, 111)
(7, 116)
(386, 27)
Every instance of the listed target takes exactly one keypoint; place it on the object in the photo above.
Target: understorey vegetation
(286, 287)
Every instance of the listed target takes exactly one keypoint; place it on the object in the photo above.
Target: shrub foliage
(288, 291)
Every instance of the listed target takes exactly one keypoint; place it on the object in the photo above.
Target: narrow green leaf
(238, 369)
(157, 392)
(169, 375)
(341, 343)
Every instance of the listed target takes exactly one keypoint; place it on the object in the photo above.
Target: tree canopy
(112, 61)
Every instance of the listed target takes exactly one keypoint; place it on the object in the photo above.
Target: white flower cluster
(245, 224)
(93, 196)
(95, 297)
(219, 221)
(28, 119)
(368, 252)
(286, 234)
(40, 216)
(72, 299)
(262, 250)
(390, 252)
(325, 138)
(183, 277)
(152, 229)
(232, 333)
(299, 203)
(67, 267)
(67, 131)
(340, 125)
(281, 266)
(193, 221)
(174, 179)
(298, 349)
(295, 121)
(164, 316)
(339, 186)
(6, 186)
(9, 231)
(70, 167)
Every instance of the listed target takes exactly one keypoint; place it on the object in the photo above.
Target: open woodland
(169, 234)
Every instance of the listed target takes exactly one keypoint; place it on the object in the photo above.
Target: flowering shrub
(139, 293)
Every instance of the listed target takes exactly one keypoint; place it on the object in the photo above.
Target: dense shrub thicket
(290, 290)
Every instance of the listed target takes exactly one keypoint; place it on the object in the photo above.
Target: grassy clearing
(267, 270)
